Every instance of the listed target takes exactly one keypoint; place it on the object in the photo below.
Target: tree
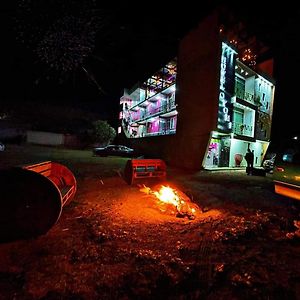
(61, 35)
(102, 133)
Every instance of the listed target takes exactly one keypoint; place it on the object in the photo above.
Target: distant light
(295, 138)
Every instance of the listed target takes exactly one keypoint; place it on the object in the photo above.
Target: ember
(173, 201)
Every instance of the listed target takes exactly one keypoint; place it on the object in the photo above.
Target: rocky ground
(115, 242)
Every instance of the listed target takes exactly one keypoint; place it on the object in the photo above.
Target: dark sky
(138, 42)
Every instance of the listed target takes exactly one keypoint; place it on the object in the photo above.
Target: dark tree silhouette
(61, 34)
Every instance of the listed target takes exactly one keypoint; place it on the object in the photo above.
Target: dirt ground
(113, 242)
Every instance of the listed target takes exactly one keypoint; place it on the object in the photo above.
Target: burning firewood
(173, 201)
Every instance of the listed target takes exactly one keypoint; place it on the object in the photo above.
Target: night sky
(136, 42)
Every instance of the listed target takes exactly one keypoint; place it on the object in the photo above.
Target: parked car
(115, 150)
(286, 175)
(268, 164)
(2, 147)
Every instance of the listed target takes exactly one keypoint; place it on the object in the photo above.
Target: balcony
(144, 101)
(244, 95)
(243, 129)
(161, 132)
(155, 112)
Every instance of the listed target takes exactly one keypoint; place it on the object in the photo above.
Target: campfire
(172, 201)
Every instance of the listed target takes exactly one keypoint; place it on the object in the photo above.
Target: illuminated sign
(226, 88)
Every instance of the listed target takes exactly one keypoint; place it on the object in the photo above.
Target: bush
(102, 133)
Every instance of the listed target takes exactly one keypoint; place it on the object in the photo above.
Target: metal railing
(156, 111)
(242, 129)
(244, 95)
(160, 132)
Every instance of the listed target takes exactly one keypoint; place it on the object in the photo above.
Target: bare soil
(113, 242)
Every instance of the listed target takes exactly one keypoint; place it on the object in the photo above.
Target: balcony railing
(244, 95)
(160, 132)
(249, 97)
(149, 95)
(242, 129)
(156, 111)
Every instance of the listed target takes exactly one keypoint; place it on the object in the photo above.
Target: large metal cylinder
(30, 203)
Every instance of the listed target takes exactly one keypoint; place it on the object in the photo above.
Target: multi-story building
(205, 108)
(150, 109)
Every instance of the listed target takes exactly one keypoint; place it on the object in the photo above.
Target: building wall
(197, 98)
(45, 138)
(52, 139)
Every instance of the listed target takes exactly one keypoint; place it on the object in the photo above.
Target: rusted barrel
(32, 198)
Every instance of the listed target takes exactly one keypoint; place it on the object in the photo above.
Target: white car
(268, 164)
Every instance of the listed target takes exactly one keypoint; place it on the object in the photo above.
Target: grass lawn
(81, 162)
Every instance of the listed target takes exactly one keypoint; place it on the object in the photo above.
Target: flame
(167, 195)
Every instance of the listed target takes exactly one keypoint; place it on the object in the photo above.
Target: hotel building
(205, 107)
